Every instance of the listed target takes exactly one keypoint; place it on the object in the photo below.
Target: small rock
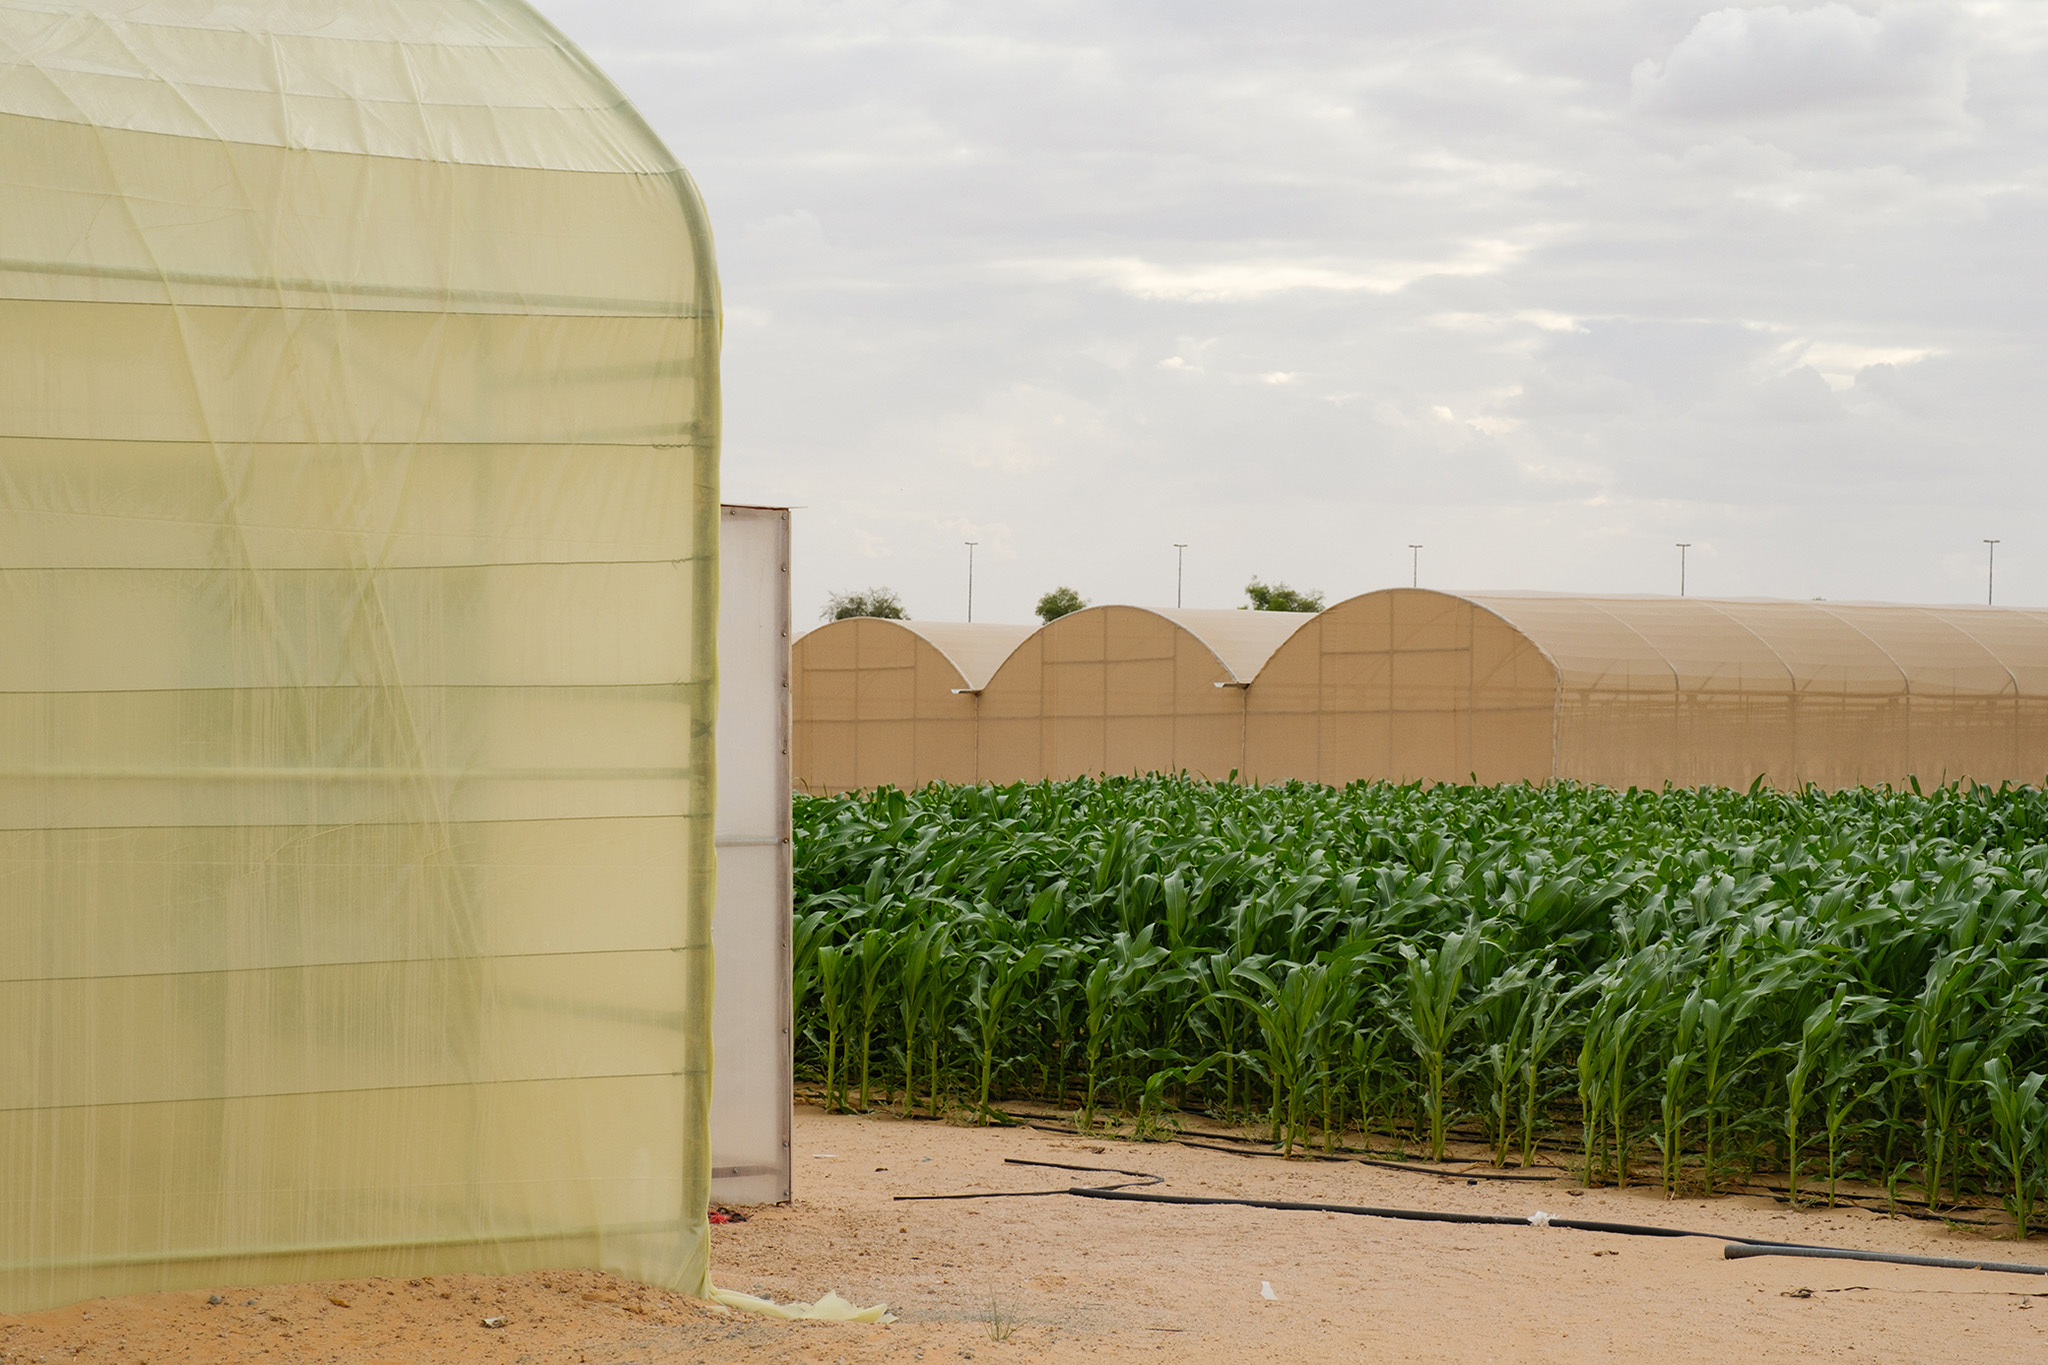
(214, 1300)
(338, 1301)
(495, 1322)
(249, 1303)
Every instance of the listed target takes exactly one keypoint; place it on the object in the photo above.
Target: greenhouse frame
(1410, 684)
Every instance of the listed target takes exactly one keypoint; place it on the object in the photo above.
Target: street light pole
(1180, 564)
(970, 544)
(1990, 569)
(1414, 565)
(1683, 546)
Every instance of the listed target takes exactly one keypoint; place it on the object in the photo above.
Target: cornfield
(1687, 986)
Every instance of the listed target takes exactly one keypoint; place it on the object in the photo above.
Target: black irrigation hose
(1124, 1191)
(1369, 1161)
(1418, 1215)
(1736, 1251)
(1144, 1178)
(1733, 1250)
(1413, 1163)
(1869, 1203)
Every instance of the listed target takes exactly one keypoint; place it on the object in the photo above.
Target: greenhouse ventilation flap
(358, 530)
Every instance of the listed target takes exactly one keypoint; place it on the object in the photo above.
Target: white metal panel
(751, 1086)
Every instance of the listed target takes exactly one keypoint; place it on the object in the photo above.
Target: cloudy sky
(1545, 288)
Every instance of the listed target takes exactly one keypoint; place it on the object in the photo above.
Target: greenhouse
(1415, 685)
(891, 703)
(358, 482)
(1127, 689)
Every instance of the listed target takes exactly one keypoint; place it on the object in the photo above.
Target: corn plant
(1822, 1053)
(1119, 976)
(835, 997)
(1431, 1007)
(872, 959)
(1297, 1017)
(2019, 1119)
(999, 973)
(921, 954)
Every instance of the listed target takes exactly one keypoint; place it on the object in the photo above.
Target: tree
(1280, 597)
(879, 602)
(1058, 603)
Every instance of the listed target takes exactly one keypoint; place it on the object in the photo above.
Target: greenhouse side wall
(358, 495)
(1697, 691)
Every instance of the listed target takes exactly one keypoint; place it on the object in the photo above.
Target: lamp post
(970, 544)
(1990, 569)
(1683, 546)
(1180, 564)
(1414, 565)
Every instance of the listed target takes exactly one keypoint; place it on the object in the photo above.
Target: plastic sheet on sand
(830, 1308)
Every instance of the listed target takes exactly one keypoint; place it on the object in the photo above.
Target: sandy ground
(1074, 1279)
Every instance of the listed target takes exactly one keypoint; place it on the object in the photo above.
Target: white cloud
(1839, 362)
(1770, 60)
(1232, 281)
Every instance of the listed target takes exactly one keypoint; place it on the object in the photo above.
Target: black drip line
(1735, 1248)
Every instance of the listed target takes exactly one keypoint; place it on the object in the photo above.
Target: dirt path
(1075, 1279)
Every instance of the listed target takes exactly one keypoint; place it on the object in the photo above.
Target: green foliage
(877, 602)
(1280, 597)
(2019, 1120)
(1727, 982)
(1059, 602)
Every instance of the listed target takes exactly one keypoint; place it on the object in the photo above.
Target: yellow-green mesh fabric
(358, 518)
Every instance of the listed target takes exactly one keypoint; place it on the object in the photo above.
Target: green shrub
(1280, 597)
(878, 602)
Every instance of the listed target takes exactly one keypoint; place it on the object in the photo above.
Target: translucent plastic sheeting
(751, 1082)
(830, 1308)
(358, 508)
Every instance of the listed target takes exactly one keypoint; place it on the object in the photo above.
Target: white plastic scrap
(831, 1308)
(1539, 1220)
(1266, 1290)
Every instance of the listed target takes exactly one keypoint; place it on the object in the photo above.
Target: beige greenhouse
(890, 703)
(1127, 690)
(1415, 685)
(358, 513)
